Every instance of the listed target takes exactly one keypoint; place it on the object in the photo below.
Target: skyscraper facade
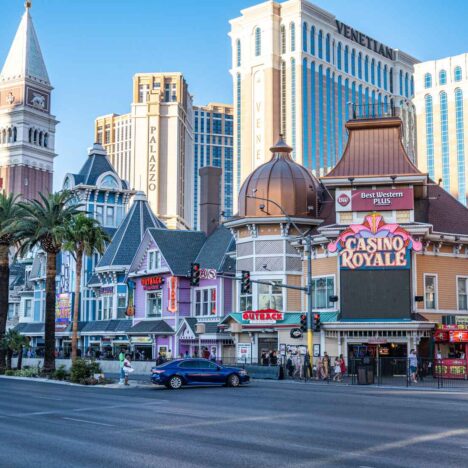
(27, 127)
(299, 71)
(213, 135)
(441, 101)
(152, 146)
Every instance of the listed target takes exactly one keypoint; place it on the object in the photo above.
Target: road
(285, 424)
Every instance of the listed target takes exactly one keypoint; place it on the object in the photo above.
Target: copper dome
(282, 181)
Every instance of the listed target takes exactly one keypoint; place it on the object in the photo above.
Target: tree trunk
(4, 293)
(19, 364)
(49, 329)
(9, 356)
(76, 305)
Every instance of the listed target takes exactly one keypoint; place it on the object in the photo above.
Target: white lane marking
(49, 398)
(89, 422)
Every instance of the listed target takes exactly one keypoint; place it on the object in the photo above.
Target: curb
(42, 380)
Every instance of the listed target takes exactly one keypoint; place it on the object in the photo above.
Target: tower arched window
(401, 83)
(429, 134)
(327, 48)
(359, 66)
(2, 137)
(372, 71)
(10, 135)
(292, 31)
(15, 134)
(338, 56)
(412, 86)
(283, 39)
(444, 134)
(346, 59)
(391, 79)
(35, 137)
(30, 135)
(258, 42)
(406, 85)
(304, 36)
(312, 40)
(427, 80)
(320, 44)
(366, 68)
(379, 77)
(459, 125)
(238, 52)
(46, 140)
(457, 74)
(385, 77)
(353, 62)
(40, 138)
(442, 77)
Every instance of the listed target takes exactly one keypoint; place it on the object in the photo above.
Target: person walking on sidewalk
(413, 365)
(326, 366)
(121, 363)
(127, 368)
(337, 370)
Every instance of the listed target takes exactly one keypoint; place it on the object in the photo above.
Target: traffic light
(246, 285)
(194, 274)
(303, 323)
(316, 323)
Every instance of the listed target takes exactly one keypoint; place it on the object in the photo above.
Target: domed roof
(282, 181)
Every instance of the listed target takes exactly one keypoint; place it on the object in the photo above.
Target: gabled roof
(210, 327)
(179, 248)
(375, 149)
(157, 327)
(25, 57)
(106, 326)
(213, 252)
(127, 239)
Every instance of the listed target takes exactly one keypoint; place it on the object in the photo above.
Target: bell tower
(27, 127)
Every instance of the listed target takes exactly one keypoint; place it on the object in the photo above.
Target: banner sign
(152, 282)
(244, 351)
(460, 336)
(374, 200)
(374, 245)
(172, 302)
(267, 316)
(63, 309)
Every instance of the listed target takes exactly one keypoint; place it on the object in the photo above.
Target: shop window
(154, 260)
(205, 302)
(107, 305)
(430, 291)
(322, 289)
(270, 296)
(28, 308)
(154, 304)
(462, 291)
(245, 302)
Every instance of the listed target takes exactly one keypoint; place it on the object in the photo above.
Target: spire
(25, 58)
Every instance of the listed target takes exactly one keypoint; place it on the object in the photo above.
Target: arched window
(457, 74)
(429, 134)
(46, 140)
(391, 79)
(459, 123)
(401, 83)
(283, 39)
(283, 97)
(359, 66)
(109, 182)
(35, 137)
(30, 135)
(312, 40)
(338, 58)
(238, 52)
(385, 104)
(40, 138)
(238, 127)
(427, 80)
(360, 96)
(385, 77)
(292, 30)
(327, 48)
(320, 44)
(366, 68)
(10, 135)
(444, 134)
(406, 85)
(412, 86)
(293, 105)
(258, 42)
(442, 77)
(353, 62)
(304, 36)
(346, 59)
(372, 72)
(379, 72)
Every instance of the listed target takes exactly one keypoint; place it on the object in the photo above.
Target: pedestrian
(290, 366)
(413, 365)
(186, 355)
(319, 369)
(342, 366)
(297, 366)
(307, 366)
(273, 359)
(159, 359)
(337, 370)
(213, 355)
(128, 369)
(265, 359)
(121, 364)
(326, 366)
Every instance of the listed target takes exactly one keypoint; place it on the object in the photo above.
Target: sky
(92, 48)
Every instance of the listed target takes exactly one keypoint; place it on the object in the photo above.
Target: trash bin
(365, 375)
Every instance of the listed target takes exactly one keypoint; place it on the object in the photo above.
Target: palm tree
(84, 236)
(44, 224)
(10, 213)
(13, 342)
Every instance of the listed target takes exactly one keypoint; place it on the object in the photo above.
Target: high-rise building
(213, 134)
(152, 146)
(299, 71)
(441, 101)
(27, 127)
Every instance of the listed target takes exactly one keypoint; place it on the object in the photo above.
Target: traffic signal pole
(310, 337)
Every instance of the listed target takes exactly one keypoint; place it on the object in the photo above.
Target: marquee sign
(172, 302)
(152, 282)
(264, 316)
(372, 200)
(374, 245)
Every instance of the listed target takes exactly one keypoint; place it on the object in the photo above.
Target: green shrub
(61, 373)
(83, 369)
(10, 372)
(31, 372)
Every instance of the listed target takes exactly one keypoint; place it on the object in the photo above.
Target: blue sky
(92, 48)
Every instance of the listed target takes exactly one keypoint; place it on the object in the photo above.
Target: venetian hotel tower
(27, 127)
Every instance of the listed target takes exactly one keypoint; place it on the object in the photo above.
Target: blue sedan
(175, 374)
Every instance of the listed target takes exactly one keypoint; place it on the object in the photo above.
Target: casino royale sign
(374, 245)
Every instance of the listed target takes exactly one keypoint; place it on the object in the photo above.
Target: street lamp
(308, 247)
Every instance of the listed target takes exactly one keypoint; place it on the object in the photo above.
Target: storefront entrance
(266, 345)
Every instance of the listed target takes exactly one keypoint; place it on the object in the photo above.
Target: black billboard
(375, 294)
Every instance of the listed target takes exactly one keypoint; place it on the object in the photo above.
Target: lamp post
(308, 247)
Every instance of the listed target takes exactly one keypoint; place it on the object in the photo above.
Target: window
(100, 213)
(327, 48)
(11, 311)
(245, 302)
(372, 71)
(322, 289)
(428, 80)
(346, 59)
(258, 42)
(270, 296)
(385, 78)
(154, 304)
(110, 216)
(283, 39)
(109, 182)
(338, 56)
(442, 77)
(304, 37)
(292, 31)
(28, 308)
(205, 302)
(445, 141)
(401, 83)
(312, 40)
(429, 134)
(462, 292)
(238, 49)
(379, 72)
(353, 62)
(430, 291)
(366, 68)
(457, 74)
(459, 125)
(360, 66)
(320, 44)
(107, 306)
(154, 260)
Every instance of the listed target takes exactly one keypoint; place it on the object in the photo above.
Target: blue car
(175, 374)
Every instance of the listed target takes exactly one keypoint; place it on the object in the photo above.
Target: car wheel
(233, 380)
(175, 383)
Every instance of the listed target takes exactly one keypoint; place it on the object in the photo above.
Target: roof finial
(28, 4)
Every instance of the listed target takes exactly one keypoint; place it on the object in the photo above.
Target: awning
(152, 327)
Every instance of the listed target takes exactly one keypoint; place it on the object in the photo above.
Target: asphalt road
(264, 424)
